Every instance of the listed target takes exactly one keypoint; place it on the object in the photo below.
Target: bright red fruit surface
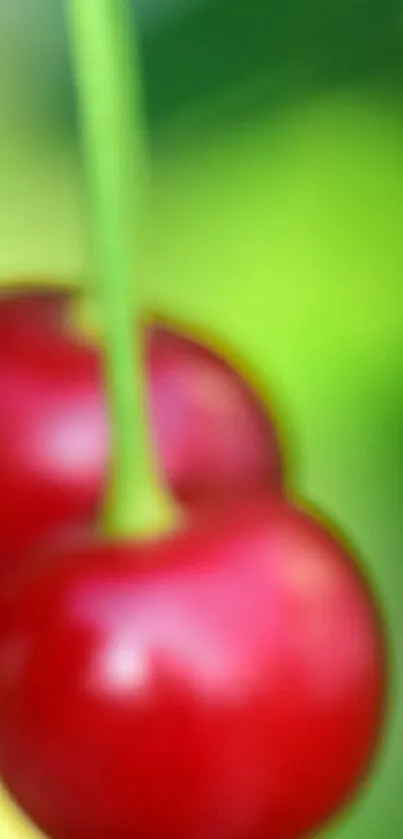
(223, 683)
(214, 436)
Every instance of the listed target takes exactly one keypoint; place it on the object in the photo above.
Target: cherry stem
(109, 93)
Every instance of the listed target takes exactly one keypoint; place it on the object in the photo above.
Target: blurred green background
(274, 222)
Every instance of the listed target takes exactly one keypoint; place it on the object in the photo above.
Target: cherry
(215, 437)
(212, 677)
(225, 681)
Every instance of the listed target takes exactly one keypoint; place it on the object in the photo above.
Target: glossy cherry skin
(226, 682)
(215, 438)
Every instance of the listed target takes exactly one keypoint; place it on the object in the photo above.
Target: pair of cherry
(213, 435)
(222, 681)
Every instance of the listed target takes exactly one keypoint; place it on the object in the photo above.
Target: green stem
(110, 102)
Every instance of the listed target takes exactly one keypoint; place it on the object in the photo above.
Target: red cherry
(215, 437)
(225, 682)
